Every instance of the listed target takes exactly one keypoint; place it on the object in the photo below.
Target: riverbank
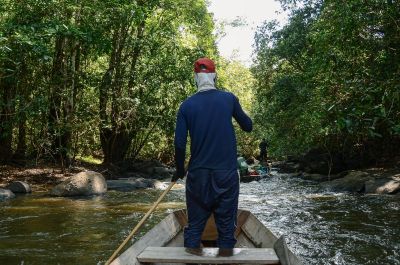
(52, 174)
(42, 174)
(83, 179)
(381, 178)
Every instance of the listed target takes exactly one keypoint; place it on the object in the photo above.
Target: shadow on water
(321, 228)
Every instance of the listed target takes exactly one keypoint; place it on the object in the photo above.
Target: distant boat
(255, 175)
(256, 244)
(253, 172)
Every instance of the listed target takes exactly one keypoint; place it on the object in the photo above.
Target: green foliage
(89, 159)
(330, 76)
(72, 73)
(233, 76)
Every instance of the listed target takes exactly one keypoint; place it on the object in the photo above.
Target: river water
(320, 227)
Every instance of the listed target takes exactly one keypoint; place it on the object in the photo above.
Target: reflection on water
(322, 228)
(37, 229)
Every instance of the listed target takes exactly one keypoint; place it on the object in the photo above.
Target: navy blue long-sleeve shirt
(207, 116)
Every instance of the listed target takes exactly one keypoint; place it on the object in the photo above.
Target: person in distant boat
(212, 184)
(263, 150)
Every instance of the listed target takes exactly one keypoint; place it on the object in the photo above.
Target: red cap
(204, 65)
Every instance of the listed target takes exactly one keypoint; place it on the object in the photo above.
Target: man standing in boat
(212, 184)
(263, 150)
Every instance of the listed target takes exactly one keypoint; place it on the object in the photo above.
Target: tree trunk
(7, 93)
(58, 87)
(114, 144)
(115, 133)
(6, 123)
(112, 136)
(20, 153)
(23, 90)
(64, 95)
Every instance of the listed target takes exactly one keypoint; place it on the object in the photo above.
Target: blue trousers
(211, 191)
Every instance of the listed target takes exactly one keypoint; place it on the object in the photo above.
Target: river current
(320, 227)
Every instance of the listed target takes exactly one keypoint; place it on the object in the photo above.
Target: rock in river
(132, 184)
(19, 187)
(365, 182)
(6, 194)
(383, 185)
(82, 184)
(353, 181)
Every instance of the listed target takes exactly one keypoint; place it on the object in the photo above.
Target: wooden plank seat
(209, 256)
(251, 234)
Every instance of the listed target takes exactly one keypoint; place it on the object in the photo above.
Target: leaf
(348, 123)
(396, 95)
(374, 134)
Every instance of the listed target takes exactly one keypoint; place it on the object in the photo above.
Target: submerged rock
(353, 181)
(19, 187)
(318, 177)
(132, 184)
(153, 169)
(6, 194)
(288, 167)
(314, 177)
(82, 184)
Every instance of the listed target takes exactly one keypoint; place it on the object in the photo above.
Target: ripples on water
(327, 228)
(321, 228)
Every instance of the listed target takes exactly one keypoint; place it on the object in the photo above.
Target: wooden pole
(140, 223)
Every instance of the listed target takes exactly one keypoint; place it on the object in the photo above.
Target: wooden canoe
(250, 234)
